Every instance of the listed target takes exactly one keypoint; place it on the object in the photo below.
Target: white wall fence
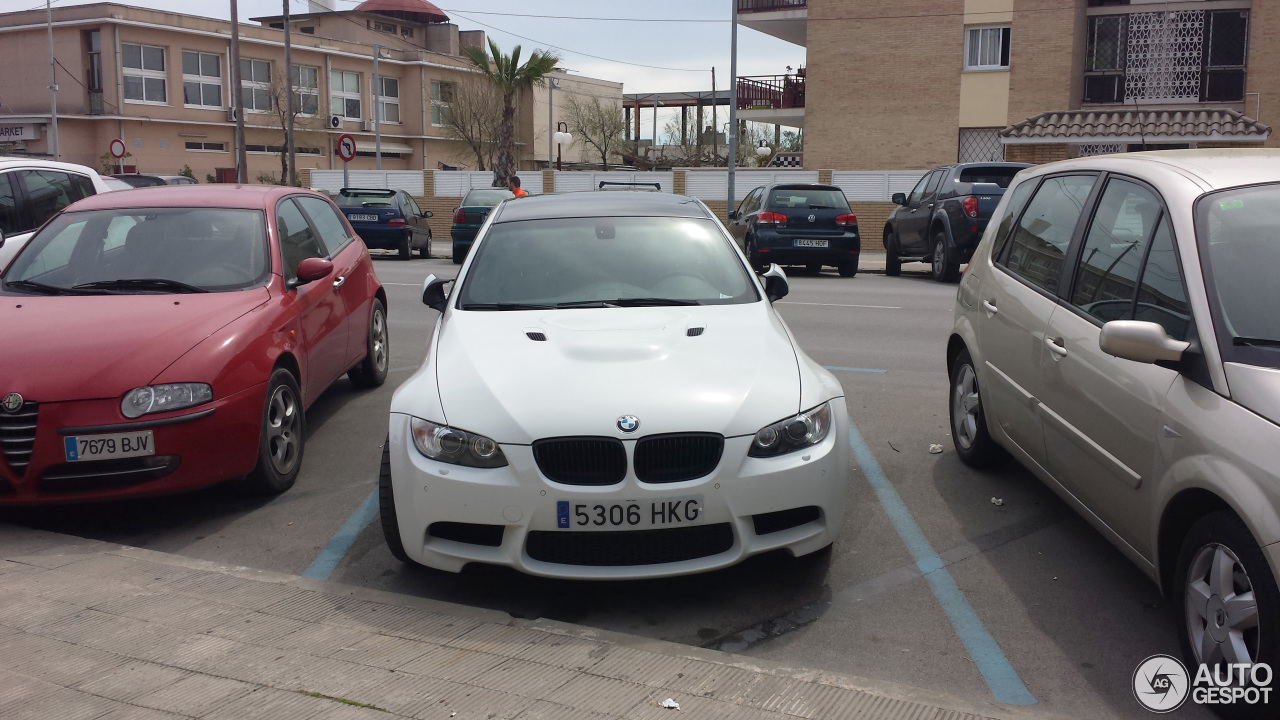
(710, 184)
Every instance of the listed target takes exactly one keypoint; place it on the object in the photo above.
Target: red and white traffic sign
(117, 148)
(346, 148)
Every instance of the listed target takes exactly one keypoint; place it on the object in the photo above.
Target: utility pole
(377, 109)
(733, 99)
(551, 120)
(53, 87)
(291, 176)
(715, 128)
(237, 97)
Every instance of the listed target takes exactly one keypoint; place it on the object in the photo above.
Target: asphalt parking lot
(1023, 603)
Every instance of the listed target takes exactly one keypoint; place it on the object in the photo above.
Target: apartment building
(160, 81)
(899, 84)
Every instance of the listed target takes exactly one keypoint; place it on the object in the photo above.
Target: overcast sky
(683, 44)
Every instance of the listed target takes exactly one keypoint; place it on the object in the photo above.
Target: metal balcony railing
(771, 5)
(771, 92)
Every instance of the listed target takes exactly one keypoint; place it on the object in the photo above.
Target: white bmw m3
(609, 393)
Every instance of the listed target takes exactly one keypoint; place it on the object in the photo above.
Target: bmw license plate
(102, 447)
(805, 242)
(364, 218)
(629, 514)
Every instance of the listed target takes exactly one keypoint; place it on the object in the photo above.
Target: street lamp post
(562, 136)
(733, 100)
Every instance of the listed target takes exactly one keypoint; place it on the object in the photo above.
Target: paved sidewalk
(95, 630)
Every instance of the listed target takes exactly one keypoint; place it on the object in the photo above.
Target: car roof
(1213, 168)
(598, 204)
(215, 195)
(6, 163)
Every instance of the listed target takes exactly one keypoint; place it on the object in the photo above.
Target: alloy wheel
(282, 430)
(939, 259)
(965, 404)
(1221, 613)
(378, 333)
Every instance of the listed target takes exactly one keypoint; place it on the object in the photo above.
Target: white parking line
(875, 307)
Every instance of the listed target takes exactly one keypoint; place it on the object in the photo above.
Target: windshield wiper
(645, 302)
(141, 284)
(586, 304)
(1260, 342)
(821, 207)
(39, 287)
(507, 306)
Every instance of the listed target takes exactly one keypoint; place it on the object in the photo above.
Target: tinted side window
(1044, 232)
(934, 181)
(297, 241)
(1110, 260)
(333, 234)
(1162, 298)
(48, 191)
(10, 219)
(412, 205)
(918, 191)
(1017, 201)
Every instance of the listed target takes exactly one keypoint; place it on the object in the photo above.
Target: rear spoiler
(655, 185)
(377, 192)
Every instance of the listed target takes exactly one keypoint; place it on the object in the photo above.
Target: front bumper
(198, 449)
(520, 500)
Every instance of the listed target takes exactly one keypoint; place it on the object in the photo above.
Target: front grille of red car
(96, 475)
(18, 436)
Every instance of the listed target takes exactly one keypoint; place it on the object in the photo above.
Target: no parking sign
(346, 148)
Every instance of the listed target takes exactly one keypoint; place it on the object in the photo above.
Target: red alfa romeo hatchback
(163, 339)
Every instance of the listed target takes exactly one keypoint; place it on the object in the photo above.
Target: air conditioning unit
(231, 114)
(366, 125)
(335, 122)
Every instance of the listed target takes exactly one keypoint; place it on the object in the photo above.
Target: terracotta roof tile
(1099, 126)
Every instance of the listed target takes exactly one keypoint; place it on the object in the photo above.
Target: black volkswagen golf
(798, 224)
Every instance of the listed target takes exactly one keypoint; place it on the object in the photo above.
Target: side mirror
(433, 295)
(899, 198)
(1139, 341)
(312, 269)
(733, 215)
(428, 213)
(775, 283)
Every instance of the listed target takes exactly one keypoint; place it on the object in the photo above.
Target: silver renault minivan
(1118, 333)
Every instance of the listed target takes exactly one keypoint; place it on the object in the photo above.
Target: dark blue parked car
(387, 220)
(798, 224)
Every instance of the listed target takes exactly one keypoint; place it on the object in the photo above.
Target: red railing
(771, 91)
(770, 5)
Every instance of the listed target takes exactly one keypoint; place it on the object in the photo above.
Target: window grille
(980, 145)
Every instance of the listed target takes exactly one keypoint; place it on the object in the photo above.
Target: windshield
(637, 260)
(486, 198)
(168, 249)
(372, 198)
(808, 199)
(1239, 240)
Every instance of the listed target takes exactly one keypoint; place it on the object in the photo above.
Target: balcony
(95, 103)
(784, 19)
(777, 99)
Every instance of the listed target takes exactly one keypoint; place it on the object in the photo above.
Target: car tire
(1222, 537)
(282, 438)
(458, 255)
(848, 268)
(424, 252)
(387, 507)
(372, 370)
(753, 257)
(892, 263)
(406, 248)
(969, 435)
(945, 267)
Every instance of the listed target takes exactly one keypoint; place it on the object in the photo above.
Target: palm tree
(510, 78)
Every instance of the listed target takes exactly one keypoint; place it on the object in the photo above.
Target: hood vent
(536, 335)
(694, 331)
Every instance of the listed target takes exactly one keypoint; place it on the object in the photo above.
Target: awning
(388, 147)
(1131, 126)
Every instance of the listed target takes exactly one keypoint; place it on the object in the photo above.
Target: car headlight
(458, 447)
(163, 398)
(795, 433)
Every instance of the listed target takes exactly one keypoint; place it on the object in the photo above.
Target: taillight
(846, 220)
(396, 222)
(459, 217)
(771, 218)
(970, 205)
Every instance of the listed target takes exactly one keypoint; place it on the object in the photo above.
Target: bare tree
(307, 123)
(473, 114)
(598, 125)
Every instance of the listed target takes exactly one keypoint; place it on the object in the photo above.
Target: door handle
(1055, 347)
(337, 283)
(989, 308)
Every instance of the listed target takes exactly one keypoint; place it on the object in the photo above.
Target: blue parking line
(1001, 678)
(847, 369)
(342, 541)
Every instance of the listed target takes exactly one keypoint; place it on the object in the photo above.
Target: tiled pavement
(91, 630)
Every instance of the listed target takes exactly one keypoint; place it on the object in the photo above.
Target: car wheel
(945, 268)
(849, 267)
(892, 263)
(753, 257)
(969, 433)
(281, 440)
(813, 268)
(424, 252)
(1227, 601)
(406, 248)
(387, 507)
(372, 371)
(458, 255)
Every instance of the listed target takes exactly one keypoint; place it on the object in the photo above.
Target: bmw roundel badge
(628, 423)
